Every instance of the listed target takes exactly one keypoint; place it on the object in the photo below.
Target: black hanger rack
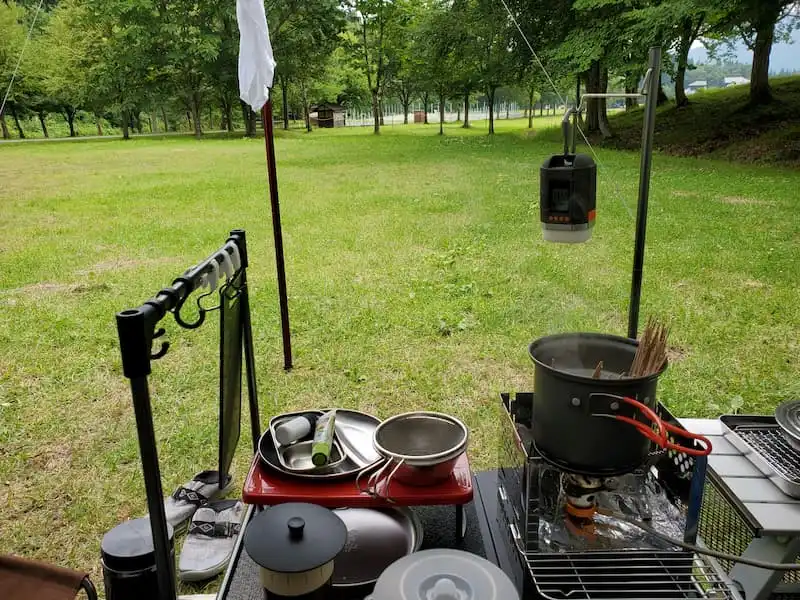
(137, 331)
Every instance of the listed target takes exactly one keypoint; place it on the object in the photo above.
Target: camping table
(772, 517)
(241, 579)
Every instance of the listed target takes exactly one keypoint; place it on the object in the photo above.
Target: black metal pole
(272, 176)
(652, 85)
(247, 340)
(165, 565)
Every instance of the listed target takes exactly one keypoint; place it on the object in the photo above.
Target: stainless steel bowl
(421, 439)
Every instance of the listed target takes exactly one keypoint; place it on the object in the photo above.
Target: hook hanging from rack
(225, 263)
(164, 345)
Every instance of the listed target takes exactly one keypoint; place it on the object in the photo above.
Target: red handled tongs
(661, 436)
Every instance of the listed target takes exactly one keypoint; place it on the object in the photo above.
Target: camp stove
(573, 535)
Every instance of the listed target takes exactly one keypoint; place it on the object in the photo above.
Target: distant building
(731, 81)
(327, 115)
(695, 86)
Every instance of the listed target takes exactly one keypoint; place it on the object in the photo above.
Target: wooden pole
(272, 178)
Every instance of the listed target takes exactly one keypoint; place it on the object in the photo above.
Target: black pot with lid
(295, 545)
(567, 430)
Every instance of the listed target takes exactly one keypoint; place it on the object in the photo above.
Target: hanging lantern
(568, 200)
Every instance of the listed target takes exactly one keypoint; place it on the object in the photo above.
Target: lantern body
(568, 198)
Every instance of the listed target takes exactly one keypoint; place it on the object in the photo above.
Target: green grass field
(417, 276)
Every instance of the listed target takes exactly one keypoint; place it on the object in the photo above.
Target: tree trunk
(490, 96)
(164, 118)
(760, 91)
(196, 115)
(42, 122)
(4, 126)
(631, 103)
(406, 101)
(541, 107)
(531, 92)
(227, 111)
(97, 120)
(137, 120)
(662, 95)
(69, 114)
(466, 111)
(593, 87)
(17, 123)
(285, 103)
(425, 99)
(602, 106)
(507, 105)
(380, 106)
(441, 113)
(210, 118)
(126, 134)
(306, 114)
(249, 119)
(684, 45)
(376, 116)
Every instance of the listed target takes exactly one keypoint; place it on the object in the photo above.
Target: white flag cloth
(256, 64)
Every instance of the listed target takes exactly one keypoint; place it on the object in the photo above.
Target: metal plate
(375, 539)
(356, 430)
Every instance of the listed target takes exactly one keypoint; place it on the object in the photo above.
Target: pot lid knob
(444, 589)
(296, 525)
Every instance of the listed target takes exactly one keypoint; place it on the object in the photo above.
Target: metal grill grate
(623, 575)
(774, 449)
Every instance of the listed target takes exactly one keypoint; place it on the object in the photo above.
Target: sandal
(182, 504)
(210, 541)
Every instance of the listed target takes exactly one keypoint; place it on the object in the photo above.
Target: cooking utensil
(566, 397)
(280, 421)
(323, 439)
(660, 437)
(298, 458)
(651, 353)
(295, 545)
(787, 415)
(443, 575)
(291, 430)
(354, 436)
(375, 539)
(420, 448)
(354, 432)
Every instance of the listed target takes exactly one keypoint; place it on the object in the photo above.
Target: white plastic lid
(443, 575)
(566, 236)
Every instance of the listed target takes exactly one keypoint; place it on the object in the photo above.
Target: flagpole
(272, 178)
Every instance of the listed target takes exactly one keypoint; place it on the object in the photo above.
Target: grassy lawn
(417, 276)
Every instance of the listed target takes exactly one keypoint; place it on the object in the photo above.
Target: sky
(784, 56)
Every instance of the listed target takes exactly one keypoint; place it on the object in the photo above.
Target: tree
(60, 53)
(495, 46)
(11, 42)
(377, 31)
(757, 23)
(435, 46)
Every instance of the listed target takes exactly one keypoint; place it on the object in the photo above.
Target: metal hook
(164, 346)
(179, 306)
(236, 258)
(226, 265)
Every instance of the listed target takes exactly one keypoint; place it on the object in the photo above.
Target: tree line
(176, 60)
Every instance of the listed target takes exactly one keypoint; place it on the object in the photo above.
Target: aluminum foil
(638, 497)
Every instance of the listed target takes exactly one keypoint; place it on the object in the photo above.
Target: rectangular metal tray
(761, 441)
